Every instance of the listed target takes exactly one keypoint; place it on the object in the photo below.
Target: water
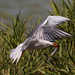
(29, 7)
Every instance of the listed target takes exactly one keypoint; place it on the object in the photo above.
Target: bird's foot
(23, 52)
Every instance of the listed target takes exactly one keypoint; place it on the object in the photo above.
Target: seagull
(42, 36)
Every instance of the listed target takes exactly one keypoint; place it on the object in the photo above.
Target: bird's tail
(16, 53)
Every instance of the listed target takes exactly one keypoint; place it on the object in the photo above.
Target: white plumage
(42, 36)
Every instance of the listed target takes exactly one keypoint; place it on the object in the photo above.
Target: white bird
(42, 36)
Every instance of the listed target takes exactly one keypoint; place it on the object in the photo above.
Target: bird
(43, 35)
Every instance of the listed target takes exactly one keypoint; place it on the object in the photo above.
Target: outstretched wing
(55, 20)
(50, 33)
(51, 21)
(47, 30)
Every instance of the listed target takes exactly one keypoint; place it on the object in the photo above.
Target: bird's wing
(54, 20)
(50, 33)
(51, 21)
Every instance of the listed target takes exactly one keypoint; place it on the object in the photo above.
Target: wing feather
(51, 21)
(47, 30)
(56, 20)
(50, 34)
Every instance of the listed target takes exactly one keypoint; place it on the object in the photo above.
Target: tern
(42, 36)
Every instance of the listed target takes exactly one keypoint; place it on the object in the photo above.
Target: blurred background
(35, 8)
(15, 28)
(28, 7)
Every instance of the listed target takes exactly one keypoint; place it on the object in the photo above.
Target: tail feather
(16, 53)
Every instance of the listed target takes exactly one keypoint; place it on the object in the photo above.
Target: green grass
(38, 62)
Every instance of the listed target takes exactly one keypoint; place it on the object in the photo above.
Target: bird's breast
(38, 44)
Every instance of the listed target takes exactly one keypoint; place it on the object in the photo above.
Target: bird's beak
(56, 44)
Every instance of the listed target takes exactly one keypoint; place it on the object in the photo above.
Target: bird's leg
(57, 46)
(22, 52)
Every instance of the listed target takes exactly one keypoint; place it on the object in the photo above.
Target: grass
(38, 62)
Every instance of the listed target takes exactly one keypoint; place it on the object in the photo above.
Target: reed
(38, 62)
